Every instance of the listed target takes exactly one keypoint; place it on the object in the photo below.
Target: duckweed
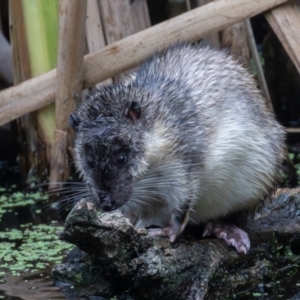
(8, 202)
(32, 247)
(39, 247)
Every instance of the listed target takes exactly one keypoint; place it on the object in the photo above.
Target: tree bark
(27, 124)
(122, 18)
(69, 82)
(112, 258)
(285, 22)
(94, 31)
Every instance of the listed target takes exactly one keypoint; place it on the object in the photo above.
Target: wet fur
(205, 139)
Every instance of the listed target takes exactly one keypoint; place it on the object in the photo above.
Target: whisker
(65, 191)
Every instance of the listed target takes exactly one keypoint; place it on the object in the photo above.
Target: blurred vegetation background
(31, 27)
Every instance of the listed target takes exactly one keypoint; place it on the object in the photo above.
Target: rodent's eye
(121, 158)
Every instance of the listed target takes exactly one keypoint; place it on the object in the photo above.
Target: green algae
(8, 202)
(30, 248)
(39, 247)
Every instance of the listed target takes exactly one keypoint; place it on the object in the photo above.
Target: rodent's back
(210, 106)
(223, 91)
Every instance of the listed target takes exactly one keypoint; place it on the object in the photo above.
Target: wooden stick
(292, 130)
(140, 14)
(69, 80)
(118, 22)
(235, 38)
(27, 132)
(94, 31)
(130, 51)
(188, 5)
(213, 38)
(285, 22)
(258, 66)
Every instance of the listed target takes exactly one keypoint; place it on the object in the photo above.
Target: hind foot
(177, 224)
(172, 231)
(230, 233)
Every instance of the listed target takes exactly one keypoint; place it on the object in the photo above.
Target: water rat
(189, 139)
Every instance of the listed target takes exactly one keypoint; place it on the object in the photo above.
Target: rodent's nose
(107, 204)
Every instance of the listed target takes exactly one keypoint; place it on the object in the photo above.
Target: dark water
(33, 286)
(29, 247)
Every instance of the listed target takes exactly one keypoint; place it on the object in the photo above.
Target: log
(69, 82)
(130, 51)
(285, 22)
(114, 259)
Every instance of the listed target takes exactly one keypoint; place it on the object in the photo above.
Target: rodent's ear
(134, 111)
(74, 122)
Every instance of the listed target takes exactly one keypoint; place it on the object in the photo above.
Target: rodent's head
(108, 144)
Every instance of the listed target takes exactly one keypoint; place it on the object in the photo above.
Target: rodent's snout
(107, 204)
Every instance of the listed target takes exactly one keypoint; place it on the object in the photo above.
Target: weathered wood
(94, 31)
(285, 22)
(292, 130)
(258, 66)
(188, 5)
(122, 18)
(117, 19)
(212, 38)
(19, 42)
(27, 124)
(235, 38)
(116, 259)
(140, 14)
(130, 51)
(72, 17)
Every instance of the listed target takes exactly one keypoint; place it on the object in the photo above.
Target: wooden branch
(117, 19)
(285, 22)
(292, 130)
(19, 44)
(258, 66)
(72, 17)
(27, 126)
(188, 5)
(213, 38)
(94, 31)
(140, 14)
(235, 38)
(122, 19)
(130, 51)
